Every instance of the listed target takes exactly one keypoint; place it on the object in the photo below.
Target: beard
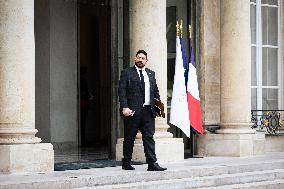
(139, 64)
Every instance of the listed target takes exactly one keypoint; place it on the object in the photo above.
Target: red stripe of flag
(195, 113)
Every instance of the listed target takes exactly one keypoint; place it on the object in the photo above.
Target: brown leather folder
(160, 108)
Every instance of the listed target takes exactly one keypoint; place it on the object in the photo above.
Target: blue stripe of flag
(185, 65)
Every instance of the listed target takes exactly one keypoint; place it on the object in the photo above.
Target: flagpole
(178, 35)
(189, 31)
(180, 27)
(177, 26)
(191, 139)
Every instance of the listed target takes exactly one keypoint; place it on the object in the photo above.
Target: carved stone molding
(18, 136)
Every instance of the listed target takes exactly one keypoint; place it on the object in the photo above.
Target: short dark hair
(141, 52)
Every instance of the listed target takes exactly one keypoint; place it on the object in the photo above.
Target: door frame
(111, 56)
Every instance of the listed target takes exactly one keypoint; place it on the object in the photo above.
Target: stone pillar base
(274, 143)
(26, 158)
(231, 144)
(167, 150)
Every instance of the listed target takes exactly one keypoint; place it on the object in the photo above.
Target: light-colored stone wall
(63, 71)
(17, 72)
(235, 63)
(210, 61)
(42, 70)
(20, 150)
(15, 51)
(274, 143)
(232, 145)
(282, 50)
(56, 70)
(235, 138)
(26, 158)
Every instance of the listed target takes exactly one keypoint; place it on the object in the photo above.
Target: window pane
(269, 67)
(170, 73)
(270, 2)
(253, 99)
(270, 99)
(253, 23)
(171, 29)
(253, 66)
(269, 25)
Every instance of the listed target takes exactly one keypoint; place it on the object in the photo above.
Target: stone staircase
(206, 173)
(257, 179)
(252, 175)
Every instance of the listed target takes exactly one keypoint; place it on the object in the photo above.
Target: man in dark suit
(137, 90)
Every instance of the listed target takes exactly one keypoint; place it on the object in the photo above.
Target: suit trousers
(145, 122)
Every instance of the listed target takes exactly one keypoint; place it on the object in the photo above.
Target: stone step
(275, 184)
(202, 182)
(188, 169)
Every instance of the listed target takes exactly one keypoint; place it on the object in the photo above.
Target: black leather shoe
(127, 166)
(155, 167)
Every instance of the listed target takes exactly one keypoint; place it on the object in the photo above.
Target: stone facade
(210, 62)
(224, 58)
(282, 21)
(235, 134)
(20, 150)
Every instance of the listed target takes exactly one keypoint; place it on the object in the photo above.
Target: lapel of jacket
(136, 76)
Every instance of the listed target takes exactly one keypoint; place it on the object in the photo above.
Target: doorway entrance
(94, 81)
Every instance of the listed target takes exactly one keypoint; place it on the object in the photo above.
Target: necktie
(142, 81)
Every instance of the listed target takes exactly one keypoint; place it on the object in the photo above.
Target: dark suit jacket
(130, 90)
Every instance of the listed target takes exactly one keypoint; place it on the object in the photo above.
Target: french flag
(179, 115)
(192, 91)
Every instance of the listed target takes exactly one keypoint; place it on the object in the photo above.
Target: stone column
(235, 67)
(235, 134)
(20, 150)
(148, 32)
(210, 62)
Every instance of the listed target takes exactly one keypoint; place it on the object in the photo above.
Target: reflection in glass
(253, 66)
(270, 99)
(269, 67)
(253, 99)
(269, 16)
(171, 29)
(170, 76)
(253, 23)
(269, 2)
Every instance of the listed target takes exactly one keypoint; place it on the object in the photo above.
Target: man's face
(140, 60)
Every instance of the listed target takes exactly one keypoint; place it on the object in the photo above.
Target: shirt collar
(143, 69)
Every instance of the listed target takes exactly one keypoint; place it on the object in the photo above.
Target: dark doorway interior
(95, 74)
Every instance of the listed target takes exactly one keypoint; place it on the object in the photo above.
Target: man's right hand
(126, 111)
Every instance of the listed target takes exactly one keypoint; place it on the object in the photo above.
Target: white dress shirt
(147, 85)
